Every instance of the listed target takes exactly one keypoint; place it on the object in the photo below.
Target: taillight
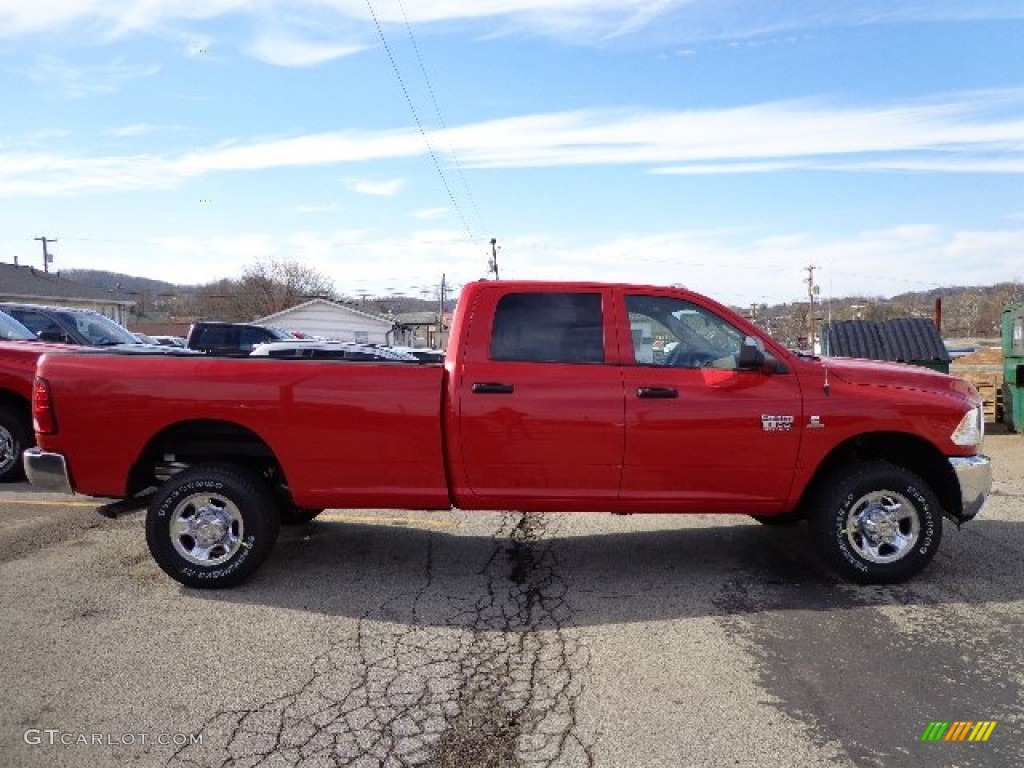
(44, 420)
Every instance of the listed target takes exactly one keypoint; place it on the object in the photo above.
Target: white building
(330, 320)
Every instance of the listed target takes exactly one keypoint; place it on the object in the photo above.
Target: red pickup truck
(19, 351)
(553, 397)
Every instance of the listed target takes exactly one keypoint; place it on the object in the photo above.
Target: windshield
(12, 330)
(101, 331)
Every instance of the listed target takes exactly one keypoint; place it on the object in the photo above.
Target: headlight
(971, 429)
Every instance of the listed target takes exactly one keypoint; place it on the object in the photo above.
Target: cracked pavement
(488, 639)
(494, 681)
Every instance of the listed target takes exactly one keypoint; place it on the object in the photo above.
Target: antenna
(492, 265)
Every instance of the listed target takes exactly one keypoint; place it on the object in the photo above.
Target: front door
(702, 434)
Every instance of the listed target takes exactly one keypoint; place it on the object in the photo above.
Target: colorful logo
(958, 730)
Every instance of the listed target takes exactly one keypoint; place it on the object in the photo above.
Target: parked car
(19, 350)
(231, 339)
(311, 349)
(423, 354)
(170, 341)
(12, 330)
(69, 325)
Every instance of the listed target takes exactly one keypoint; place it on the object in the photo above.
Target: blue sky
(720, 144)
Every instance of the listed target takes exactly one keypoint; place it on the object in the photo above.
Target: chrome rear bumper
(47, 470)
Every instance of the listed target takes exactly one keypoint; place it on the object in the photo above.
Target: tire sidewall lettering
(837, 499)
(245, 489)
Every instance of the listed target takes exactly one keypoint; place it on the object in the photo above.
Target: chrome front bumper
(974, 474)
(47, 471)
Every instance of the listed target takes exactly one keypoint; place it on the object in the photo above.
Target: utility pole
(812, 291)
(493, 266)
(47, 256)
(440, 314)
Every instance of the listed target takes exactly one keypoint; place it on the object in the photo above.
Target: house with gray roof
(27, 285)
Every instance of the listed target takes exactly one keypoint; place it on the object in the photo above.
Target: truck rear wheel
(875, 523)
(211, 526)
(15, 437)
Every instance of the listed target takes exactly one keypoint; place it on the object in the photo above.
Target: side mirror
(53, 337)
(753, 357)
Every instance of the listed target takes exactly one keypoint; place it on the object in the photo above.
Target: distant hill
(115, 282)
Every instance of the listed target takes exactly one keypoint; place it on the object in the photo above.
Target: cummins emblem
(776, 423)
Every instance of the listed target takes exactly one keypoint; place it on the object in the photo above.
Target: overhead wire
(416, 116)
(440, 117)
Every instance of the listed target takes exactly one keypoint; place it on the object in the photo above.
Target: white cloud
(737, 267)
(960, 134)
(283, 49)
(80, 81)
(574, 20)
(388, 188)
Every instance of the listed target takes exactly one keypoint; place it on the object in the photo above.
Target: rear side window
(250, 337)
(548, 328)
(215, 336)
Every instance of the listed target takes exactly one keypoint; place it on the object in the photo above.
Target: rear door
(540, 409)
(701, 434)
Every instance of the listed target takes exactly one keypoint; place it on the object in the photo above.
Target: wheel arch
(17, 401)
(198, 441)
(902, 449)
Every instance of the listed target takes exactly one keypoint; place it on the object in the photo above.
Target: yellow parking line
(412, 521)
(30, 503)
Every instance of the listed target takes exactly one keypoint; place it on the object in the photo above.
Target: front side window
(548, 328)
(675, 333)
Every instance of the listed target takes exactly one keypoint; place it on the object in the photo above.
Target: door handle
(658, 393)
(492, 388)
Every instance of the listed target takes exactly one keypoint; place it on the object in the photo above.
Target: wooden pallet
(992, 398)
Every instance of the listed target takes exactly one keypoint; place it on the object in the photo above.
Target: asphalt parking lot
(485, 639)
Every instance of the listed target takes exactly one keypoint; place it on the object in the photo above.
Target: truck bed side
(343, 434)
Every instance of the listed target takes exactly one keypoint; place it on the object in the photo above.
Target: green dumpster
(1013, 366)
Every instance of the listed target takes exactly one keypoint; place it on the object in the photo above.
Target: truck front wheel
(875, 523)
(211, 526)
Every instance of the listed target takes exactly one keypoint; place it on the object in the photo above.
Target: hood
(876, 373)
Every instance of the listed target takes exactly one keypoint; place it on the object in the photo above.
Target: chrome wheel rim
(206, 529)
(882, 527)
(8, 451)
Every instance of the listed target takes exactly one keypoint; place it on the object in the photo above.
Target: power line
(419, 123)
(440, 117)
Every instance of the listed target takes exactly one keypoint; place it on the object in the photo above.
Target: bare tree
(266, 287)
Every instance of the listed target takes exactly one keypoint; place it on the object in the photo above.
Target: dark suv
(69, 325)
(231, 339)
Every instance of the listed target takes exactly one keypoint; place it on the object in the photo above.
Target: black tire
(875, 523)
(15, 436)
(238, 516)
(292, 515)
